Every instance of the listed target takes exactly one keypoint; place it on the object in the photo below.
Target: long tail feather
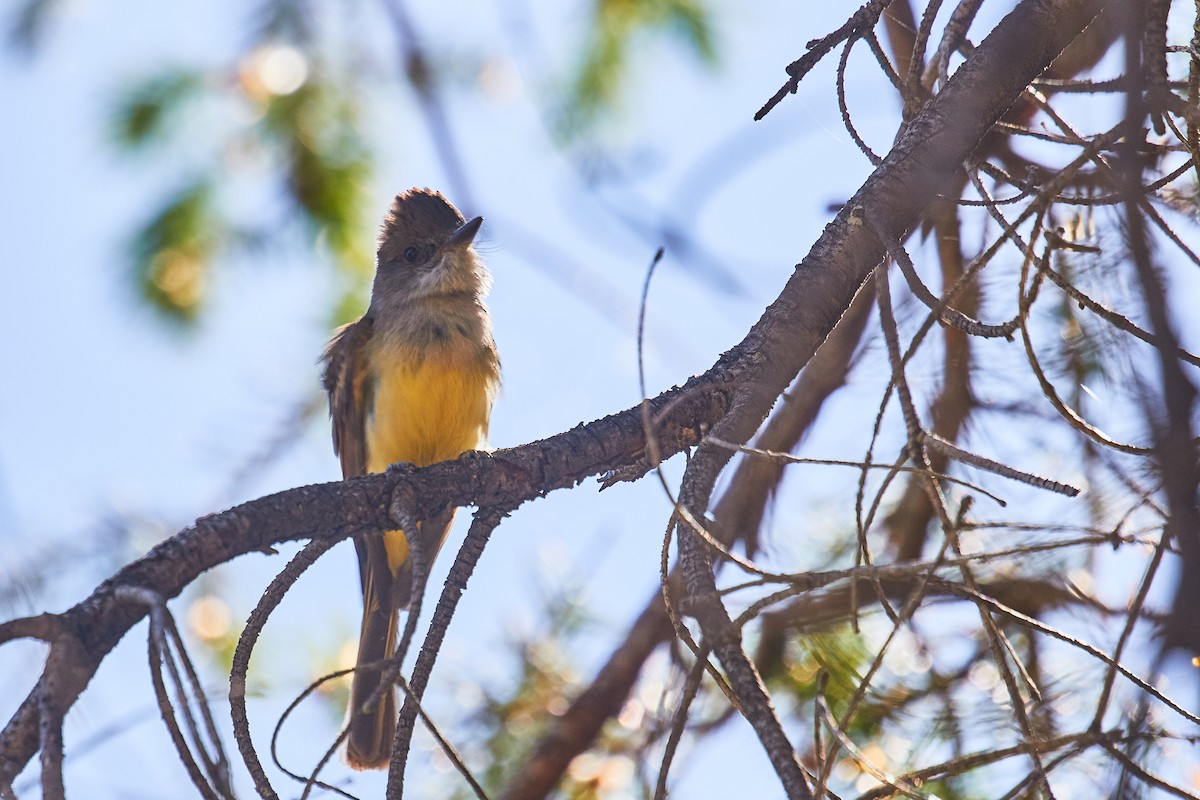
(372, 724)
(369, 741)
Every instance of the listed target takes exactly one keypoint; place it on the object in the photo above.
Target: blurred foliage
(512, 718)
(840, 654)
(615, 29)
(210, 621)
(833, 663)
(326, 165)
(172, 253)
(145, 112)
(283, 115)
(300, 115)
(298, 127)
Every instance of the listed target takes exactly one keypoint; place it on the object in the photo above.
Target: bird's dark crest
(416, 215)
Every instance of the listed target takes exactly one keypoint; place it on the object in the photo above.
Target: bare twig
(270, 600)
(213, 780)
(485, 521)
(861, 20)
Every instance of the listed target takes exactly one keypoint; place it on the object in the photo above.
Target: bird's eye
(410, 254)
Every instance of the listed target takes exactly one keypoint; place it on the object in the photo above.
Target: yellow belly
(424, 413)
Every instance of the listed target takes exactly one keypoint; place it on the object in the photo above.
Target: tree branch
(334, 510)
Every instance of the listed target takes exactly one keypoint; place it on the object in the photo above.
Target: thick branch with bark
(94, 626)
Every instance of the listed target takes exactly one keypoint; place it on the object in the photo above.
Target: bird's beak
(465, 234)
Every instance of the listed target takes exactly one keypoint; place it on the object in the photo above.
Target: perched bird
(412, 381)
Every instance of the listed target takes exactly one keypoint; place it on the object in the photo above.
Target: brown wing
(345, 381)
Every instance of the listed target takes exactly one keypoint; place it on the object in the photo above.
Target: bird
(413, 380)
